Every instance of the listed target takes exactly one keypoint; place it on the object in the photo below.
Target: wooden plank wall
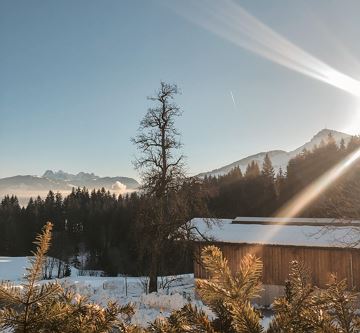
(345, 263)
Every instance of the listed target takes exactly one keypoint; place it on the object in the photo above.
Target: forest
(98, 230)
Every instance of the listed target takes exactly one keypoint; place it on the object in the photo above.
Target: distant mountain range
(89, 180)
(28, 186)
(59, 181)
(279, 158)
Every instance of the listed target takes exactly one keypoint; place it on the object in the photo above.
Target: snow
(148, 307)
(12, 268)
(223, 230)
(123, 290)
(296, 221)
(101, 290)
(181, 290)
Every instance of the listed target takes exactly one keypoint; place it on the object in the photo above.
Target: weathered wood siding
(322, 261)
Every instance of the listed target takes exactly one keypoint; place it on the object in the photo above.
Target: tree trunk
(153, 282)
(59, 269)
(153, 271)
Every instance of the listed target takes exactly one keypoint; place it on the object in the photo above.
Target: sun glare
(353, 124)
(296, 205)
(231, 22)
(312, 191)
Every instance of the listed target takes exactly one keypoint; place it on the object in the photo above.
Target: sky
(74, 77)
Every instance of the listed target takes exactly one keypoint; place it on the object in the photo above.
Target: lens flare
(312, 191)
(353, 123)
(230, 21)
(297, 204)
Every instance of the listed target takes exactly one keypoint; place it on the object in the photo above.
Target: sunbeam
(297, 204)
(230, 21)
(312, 191)
(352, 125)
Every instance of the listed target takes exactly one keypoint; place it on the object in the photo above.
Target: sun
(353, 124)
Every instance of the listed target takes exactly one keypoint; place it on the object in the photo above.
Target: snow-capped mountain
(280, 158)
(89, 180)
(59, 181)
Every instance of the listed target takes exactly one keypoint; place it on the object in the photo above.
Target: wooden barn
(322, 244)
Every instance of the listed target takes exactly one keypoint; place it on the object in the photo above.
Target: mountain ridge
(279, 158)
(26, 186)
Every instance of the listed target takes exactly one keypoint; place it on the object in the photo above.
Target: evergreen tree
(47, 307)
(252, 170)
(280, 182)
(303, 309)
(234, 175)
(267, 169)
(269, 196)
(253, 189)
(342, 145)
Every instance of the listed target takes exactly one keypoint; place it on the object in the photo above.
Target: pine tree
(230, 296)
(303, 308)
(342, 145)
(341, 306)
(252, 170)
(267, 169)
(39, 307)
(32, 304)
(280, 182)
(269, 196)
(292, 311)
(232, 176)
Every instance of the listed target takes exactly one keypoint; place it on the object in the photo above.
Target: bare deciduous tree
(171, 199)
(162, 170)
(343, 204)
(160, 166)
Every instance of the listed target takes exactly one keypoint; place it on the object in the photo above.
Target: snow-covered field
(148, 307)
(12, 268)
(174, 291)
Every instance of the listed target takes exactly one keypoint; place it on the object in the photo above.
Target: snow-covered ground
(177, 290)
(148, 307)
(12, 268)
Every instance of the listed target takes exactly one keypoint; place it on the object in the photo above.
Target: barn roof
(297, 221)
(270, 231)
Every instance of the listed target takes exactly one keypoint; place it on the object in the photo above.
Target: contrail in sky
(233, 99)
(230, 21)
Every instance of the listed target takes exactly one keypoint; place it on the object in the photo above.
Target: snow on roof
(224, 230)
(296, 221)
